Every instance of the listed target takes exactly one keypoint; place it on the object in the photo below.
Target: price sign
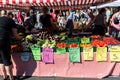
(74, 54)
(101, 54)
(36, 50)
(115, 48)
(115, 53)
(85, 40)
(88, 53)
(61, 50)
(72, 40)
(36, 57)
(47, 55)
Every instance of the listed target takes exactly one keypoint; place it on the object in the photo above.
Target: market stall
(41, 54)
(93, 57)
(62, 67)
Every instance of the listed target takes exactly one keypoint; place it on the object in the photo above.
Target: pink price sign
(47, 55)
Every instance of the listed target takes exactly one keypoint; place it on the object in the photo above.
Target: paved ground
(61, 78)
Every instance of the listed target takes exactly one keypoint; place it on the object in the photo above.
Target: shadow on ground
(59, 78)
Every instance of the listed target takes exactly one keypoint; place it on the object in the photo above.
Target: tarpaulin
(62, 67)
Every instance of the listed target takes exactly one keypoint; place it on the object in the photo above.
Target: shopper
(20, 18)
(33, 18)
(47, 21)
(115, 23)
(15, 18)
(113, 32)
(28, 24)
(53, 14)
(70, 22)
(7, 28)
(108, 15)
(39, 25)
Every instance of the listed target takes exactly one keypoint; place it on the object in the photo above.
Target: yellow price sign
(101, 54)
(115, 53)
(115, 48)
(88, 53)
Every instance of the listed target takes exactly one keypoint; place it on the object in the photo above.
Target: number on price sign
(36, 50)
(101, 54)
(74, 54)
(115, 53)
(47, 55)
(88, 53)
(61, 50)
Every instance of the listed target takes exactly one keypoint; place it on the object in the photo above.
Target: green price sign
(85, 40)
(74, 54)
(61, 50)
(36, 50)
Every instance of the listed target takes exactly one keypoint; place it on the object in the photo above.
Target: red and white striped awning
(27, 1)
(61, 4)
(71, 3)
(53, 3)
(66, 3)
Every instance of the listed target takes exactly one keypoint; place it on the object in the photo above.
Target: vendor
(47, 21)
(100, 23)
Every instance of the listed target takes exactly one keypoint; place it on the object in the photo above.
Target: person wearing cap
(7, 27)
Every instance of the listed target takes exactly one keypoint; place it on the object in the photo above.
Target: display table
(62, 67)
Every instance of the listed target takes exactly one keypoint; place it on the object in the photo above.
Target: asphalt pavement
(60, 78)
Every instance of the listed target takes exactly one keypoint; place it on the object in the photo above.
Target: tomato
(98, 43)
(95, 36)
(73, 45)
(61, 45)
